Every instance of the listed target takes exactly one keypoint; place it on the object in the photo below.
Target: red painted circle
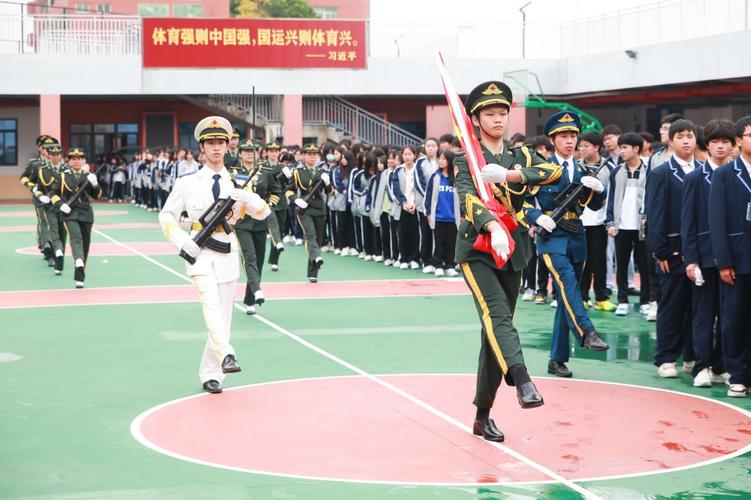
(113, 249)
(32, 213)
(353, 429)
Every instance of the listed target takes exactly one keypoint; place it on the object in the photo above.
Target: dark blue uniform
(730, 206)
(664, 199)
(696, 247)
(564, 254)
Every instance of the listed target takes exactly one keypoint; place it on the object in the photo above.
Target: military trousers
(43, 237)
(570, 315)
(313, 227)
(80, 238)
(277, 220)
(217, 302)
(494, 292)
(253, 250)
(56, 232)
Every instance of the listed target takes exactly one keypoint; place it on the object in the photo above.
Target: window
(8, 152)
(187, 10)
(187, 140)
(327, 12)
(103, 8)
(82, 7)
(153, 9)
(105, 138)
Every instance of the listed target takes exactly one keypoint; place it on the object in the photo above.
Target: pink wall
(346, 9)
(293, 119)
(211, 8)
(437, 121)
(49, 115)
(517, 122)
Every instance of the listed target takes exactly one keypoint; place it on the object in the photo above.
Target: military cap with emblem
(310, 148)
(213, 127)
(235, 133)
(492, 93)
(563, 121)
(248, 145)
(52, 146)
(76, 153)
(42, 138)
(273, 145)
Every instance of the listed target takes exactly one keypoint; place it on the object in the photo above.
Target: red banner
(253, 43)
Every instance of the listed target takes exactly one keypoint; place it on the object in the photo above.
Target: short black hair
(631, 139)
(594, 138)
(456, 143)
(518, 137)
(611, 129)
(671, 118)
(740, 126)
(700, 142)
(681, 125)
(718, 130)
(544, 141)
(647, 136)
(446, 138)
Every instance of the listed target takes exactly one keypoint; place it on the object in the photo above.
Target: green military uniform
(307, 186)
(280, 210)
(495, 291)
(79, 221)
(251, 233)
(48, 179)
(29, 178)
(232, 159)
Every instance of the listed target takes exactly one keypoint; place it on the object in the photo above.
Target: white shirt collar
(207, 173)
(686, 166)
(561, 159)
(712, 164)
(746, 164)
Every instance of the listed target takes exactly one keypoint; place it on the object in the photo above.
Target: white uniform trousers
(217, 301)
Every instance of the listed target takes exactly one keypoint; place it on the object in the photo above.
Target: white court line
(529, 462)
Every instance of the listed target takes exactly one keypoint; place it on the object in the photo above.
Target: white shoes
(622, 309)
(388, 262)
(260, 297)
(403, 265)
(428, 269)
(644, 309)
(688, 366)
(439, 273)
(337, 251)
(325, 248)
(368, 258)
(250, 310)
(298, 241)
(79, 284)
(280, 246)
(554, 303)
(360, 255)
(720, 378)
(652, 313)
(667, 370)
(703, 378)
(397, 263)
(414, 265)
(451, 273)
(79, 263)
(737, 391)
(274, 267)
(529, 295)
(287, 239)
(378, 258)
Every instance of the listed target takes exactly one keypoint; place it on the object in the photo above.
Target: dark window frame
(14, 132)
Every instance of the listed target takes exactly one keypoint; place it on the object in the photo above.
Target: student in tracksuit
(404, 184)
(442, 209)
(664, 198)
(696, 246)
(730, 206)
(395, 209)
(564, 249)
(425, 167)
(378, 208)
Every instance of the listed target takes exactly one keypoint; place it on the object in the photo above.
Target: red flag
(476, 160)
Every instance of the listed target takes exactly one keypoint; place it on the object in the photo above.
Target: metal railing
(352, 120)
(71, 34)
(268, 107)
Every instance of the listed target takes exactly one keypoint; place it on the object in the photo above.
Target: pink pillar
(49, 115)
(293, 119)
(438, 121)
(517, 121)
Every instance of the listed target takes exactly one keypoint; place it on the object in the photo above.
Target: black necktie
(215, 187)
(565, 167)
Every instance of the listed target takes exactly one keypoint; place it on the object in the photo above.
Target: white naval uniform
(214, 274)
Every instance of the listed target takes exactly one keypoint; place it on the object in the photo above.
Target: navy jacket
(696, 244)
(729, 198)
(664, 198)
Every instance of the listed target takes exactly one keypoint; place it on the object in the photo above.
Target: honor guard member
(251, 233)
(512, 172)
(283, 174)
(48, 179)
(730, 206)
(29, 179)
(78, 216)
(564, 249)
(232, 156)
(310, 184)
(215, 272)
(664, 197)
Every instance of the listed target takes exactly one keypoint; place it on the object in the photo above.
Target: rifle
(83, 187)
(216, 215)
(564, 203)
(318, 185)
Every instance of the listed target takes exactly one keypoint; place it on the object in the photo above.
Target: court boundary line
(135, 429)
(531, 463)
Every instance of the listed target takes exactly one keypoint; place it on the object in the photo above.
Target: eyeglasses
(746, 135)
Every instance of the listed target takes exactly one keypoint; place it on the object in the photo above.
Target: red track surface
(122, 225)
(187, 293)
(113, 249)
(354, 429)
(31, 213)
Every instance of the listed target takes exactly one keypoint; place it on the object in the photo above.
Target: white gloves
(92, 179)
(325, 178)
(287, 172)
(499, 242)
(547, 223)
(302, 204)
(251, 199)
(44, 199)
(64, 208)
(593, 183)
(493, 172)
(191, 248)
